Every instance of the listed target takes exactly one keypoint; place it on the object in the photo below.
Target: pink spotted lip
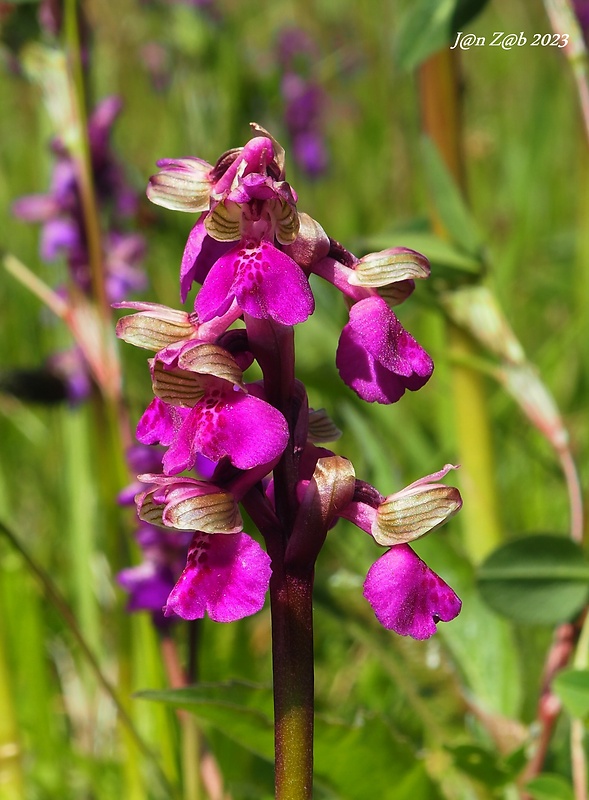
(266, 283)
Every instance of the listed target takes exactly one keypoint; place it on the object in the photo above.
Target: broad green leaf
(242, 711)
(480, 764)
(550, 787)
(572, 686)
(537, 580)
(430, 25)
(481, 643)
(348, 757)
(449, 203)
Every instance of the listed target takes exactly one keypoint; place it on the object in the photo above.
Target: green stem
(291, 589)
(11, 778)
(292, 654)
(82, 158)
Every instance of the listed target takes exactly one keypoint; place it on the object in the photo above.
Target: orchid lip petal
(266, 282)
(407, 596)
(226, 577)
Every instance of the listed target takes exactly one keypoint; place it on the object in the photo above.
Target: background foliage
(452, 717)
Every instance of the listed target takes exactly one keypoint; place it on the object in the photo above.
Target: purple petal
(247, 430)
(35, 207)
(159, 422)
(407, 596)
(376, 357)
(58, 235)
(148, 584)
(226, 576)
(181, 454)
(200, 254)
(267, 283)
(253, 187)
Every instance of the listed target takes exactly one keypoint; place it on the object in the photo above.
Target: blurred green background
(446, 718)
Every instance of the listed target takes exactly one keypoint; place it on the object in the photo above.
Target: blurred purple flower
(150, 583)
(304, 101)
(61, 215)
(63, 233)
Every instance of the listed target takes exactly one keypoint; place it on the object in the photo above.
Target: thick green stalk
(292, 653)
(440, 105)
(291, 589)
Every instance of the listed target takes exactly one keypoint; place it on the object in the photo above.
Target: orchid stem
(292, 653)
(291, 590)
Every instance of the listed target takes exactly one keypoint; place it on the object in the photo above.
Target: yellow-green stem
(479, 514)
(439, 84)
(11, 777)
(292, 656)
(83, 161)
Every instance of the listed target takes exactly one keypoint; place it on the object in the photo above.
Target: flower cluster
(64, 231)
(255, 444)
(60, 211)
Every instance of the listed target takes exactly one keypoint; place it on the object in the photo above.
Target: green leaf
(537, 580)
(349, 758)
(242, 711)
(430, 25)
(481, 642)
(480, 764)
(449, 203)
(550, 787)
(345, 754)
(572, 686)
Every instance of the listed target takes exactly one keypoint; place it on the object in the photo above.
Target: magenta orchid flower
(253, 253)
(376, 357)
(226, 576)
(407, 596)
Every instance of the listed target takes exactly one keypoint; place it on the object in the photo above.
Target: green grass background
(527, 167)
